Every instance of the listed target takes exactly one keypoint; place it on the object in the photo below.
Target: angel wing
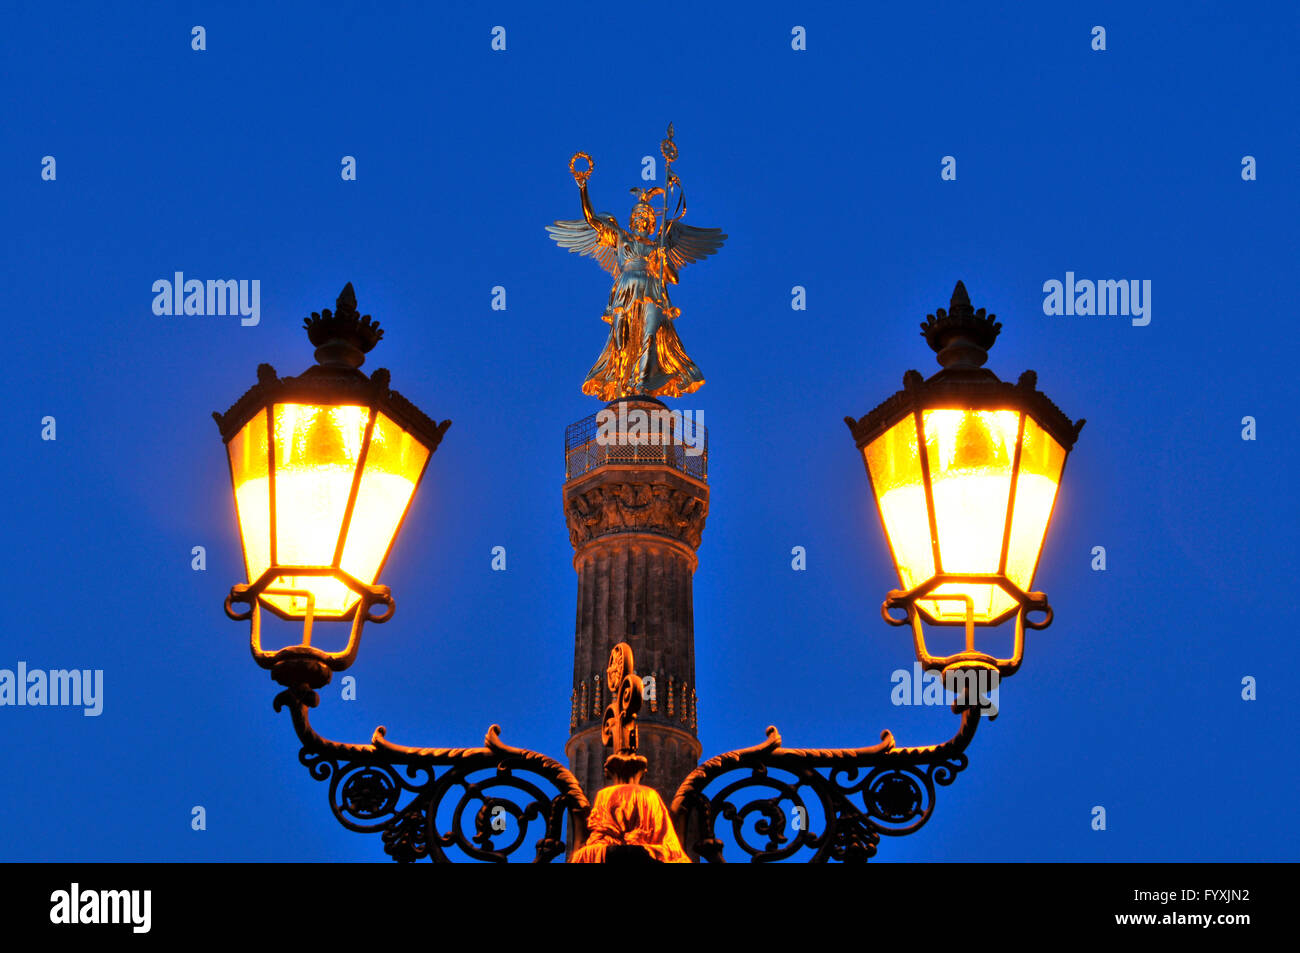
(580, 238)
(686, 243)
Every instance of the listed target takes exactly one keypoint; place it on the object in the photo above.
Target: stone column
(636, 513)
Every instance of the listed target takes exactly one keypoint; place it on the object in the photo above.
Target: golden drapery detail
(643, 354)
(630, 814)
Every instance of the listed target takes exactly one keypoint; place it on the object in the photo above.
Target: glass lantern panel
(317, 448)
(970, 453)
(392, 469)
(248, 473)
(1041, 462)
(894, 464)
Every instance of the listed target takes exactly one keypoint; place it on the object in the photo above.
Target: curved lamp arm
(771, 818)
(495, 792)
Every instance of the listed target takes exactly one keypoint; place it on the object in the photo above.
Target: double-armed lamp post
(964, 469)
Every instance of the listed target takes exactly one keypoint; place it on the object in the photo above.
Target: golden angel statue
(643, 355)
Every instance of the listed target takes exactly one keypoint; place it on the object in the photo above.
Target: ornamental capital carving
(627, 500)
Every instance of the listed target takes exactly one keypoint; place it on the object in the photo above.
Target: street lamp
(324, 467)
(964, 469)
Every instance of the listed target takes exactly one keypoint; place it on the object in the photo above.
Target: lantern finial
(343, 337)
(961, 336)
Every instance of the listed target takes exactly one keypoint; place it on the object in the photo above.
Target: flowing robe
(643, 354)
(630, 814)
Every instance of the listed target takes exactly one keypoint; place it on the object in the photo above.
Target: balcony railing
(669, 438)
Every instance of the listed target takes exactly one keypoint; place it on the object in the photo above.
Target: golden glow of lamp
(324, 467)
(965, 469)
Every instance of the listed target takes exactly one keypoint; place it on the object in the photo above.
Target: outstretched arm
(593, 235)
(608, 235)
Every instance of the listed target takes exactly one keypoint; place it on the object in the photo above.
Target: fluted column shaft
(635, 528)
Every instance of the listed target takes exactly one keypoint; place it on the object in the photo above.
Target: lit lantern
(965, 468)
(324, 467)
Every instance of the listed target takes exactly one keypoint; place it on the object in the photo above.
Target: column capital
(650, 500)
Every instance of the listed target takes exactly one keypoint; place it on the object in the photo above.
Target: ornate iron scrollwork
(484, 803)
(480, 803)
(817, 805)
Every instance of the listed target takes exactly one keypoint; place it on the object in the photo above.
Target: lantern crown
(343, 336)
(961, 336)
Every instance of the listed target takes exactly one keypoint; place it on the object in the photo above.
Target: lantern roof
(342, 337)
(961, 338)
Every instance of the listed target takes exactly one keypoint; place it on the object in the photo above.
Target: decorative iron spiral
(861, 795)
(497, 795)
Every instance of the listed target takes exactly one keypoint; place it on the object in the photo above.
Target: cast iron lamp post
(964, 469)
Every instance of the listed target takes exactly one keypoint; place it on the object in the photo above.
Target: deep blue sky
(823, 168)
